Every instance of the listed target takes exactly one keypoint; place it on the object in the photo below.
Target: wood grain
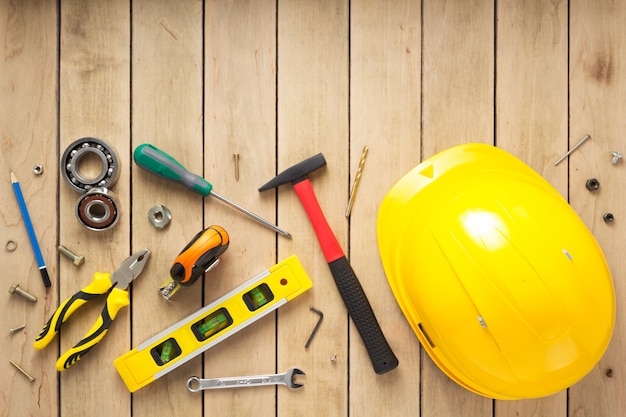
(276, 82)
(167, 109)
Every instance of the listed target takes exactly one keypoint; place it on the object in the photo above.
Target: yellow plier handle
(116, 300)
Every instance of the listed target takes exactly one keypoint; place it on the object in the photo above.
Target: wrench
(195, 384)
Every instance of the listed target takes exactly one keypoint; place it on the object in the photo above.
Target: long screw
(15, 289)
(573, 149)
(14, 330)
(19, 368)
(77, 260)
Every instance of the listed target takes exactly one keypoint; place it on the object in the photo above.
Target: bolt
(616, 157)
(19, 368)
(78, 260)
(17, 329)
(15, 288)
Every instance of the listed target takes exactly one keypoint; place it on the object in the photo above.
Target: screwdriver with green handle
(154, 160)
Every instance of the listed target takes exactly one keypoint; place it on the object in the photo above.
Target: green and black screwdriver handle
(380, 353)
(154, 160)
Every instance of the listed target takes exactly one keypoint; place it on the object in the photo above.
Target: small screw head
(608, 218)
(616, 157)
(13, 287)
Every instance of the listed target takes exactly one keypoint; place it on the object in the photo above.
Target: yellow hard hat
(504, 286)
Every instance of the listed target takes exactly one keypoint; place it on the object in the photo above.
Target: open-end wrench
(195, 384)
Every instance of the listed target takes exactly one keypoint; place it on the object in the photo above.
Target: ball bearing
(73, 157)
(97, 209)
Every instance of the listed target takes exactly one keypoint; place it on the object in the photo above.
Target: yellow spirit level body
(213, 323)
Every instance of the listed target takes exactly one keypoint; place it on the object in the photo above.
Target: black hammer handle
(379, 351)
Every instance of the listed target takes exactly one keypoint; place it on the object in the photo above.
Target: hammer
(359, 308)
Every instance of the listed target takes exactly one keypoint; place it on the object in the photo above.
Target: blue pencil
(31, 232)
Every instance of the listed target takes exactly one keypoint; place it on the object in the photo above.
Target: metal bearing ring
(73, 155)
(97, 209)
(159, 216)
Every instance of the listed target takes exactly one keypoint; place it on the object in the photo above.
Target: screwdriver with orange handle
(200, 255)
(154, 160)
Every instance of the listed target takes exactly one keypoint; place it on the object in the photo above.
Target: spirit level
(213, 323)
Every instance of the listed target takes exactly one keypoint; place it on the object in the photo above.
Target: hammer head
(297, 172)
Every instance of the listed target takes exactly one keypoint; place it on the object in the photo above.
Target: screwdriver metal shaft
(249, 213)
(154, 160)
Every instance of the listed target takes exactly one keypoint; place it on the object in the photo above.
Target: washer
(11, 245)
(74, 154)
(97, 209)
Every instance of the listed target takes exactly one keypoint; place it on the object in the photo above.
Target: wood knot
(609, 373)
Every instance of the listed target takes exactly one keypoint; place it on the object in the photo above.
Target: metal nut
(38, 169)
(608, 218)
(159, 216)
(592, 184)
(15, 289)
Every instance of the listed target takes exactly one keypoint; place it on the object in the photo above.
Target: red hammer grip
(330, 246)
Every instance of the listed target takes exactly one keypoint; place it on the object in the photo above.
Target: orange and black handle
(200, 254)
(382, 357)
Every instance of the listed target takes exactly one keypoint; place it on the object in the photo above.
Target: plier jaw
(130, 269)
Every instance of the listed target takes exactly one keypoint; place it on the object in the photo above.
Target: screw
(616, 157)
(19, 368)
(572, 150)
(236, 159)
(78, 260)
(17, 329)
(15, 288)
(608, 218)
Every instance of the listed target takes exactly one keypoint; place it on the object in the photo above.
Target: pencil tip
(13, 177)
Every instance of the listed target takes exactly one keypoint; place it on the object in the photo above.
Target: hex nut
(38, 169)
(592, 184)
(159, 216)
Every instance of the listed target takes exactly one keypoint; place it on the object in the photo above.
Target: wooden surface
(276, 82)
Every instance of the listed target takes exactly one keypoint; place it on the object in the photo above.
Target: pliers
(115, 285)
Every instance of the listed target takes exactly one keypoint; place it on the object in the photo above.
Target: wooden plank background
(277, 81)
